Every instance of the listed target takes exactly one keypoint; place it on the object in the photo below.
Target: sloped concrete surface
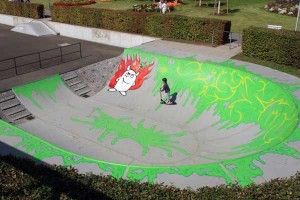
(135, 137)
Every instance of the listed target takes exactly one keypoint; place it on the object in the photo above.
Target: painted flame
(135, 64)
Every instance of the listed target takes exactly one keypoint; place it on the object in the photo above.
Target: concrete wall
(101, 35)
(114, 38)
(13, 20)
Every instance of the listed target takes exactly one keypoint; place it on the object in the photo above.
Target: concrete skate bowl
(228, 125)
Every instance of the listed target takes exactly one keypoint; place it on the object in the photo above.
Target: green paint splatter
(120, 128)
(45, 88)
(151, 173)
(40, 150)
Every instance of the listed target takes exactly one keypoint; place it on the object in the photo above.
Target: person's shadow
(173, 98)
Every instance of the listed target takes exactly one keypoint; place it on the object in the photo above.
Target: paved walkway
(202, 53)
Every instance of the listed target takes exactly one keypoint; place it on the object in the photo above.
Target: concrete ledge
(13, 20)
(114, 38)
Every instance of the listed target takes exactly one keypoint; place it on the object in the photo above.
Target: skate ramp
(228, 125)
(35, 28)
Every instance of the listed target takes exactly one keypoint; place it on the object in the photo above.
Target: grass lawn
(244, 12)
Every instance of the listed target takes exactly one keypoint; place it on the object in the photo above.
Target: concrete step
(14, 110)
(5, 96)
(73, 81)
(83, 91)
(8, 104)
(19, 115)
(69, 75)
(78, 87)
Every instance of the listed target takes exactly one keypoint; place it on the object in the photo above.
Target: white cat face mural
(126, 81)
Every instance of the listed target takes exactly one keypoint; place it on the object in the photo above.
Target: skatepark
(233, 122)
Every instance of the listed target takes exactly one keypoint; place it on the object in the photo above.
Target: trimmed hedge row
(152, 24)
(30, 10)
(23, 179)
(279, 46)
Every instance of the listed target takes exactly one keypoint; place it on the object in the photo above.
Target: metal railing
(39, 60)
(229, 35)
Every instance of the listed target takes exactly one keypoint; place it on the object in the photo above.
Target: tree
(200, 3)
(227, 6)
(215, 6)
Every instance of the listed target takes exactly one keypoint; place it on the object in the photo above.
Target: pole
(296, 27)
(227, 6)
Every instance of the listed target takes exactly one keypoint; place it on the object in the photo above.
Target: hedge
(22, 179)
(151, 24)
(30, 10)
(279, 46)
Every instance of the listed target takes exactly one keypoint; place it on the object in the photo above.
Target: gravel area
(97, 75)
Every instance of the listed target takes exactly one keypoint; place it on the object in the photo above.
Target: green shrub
(152, 24)
(22, 179)
(31, 10)
(279, 46)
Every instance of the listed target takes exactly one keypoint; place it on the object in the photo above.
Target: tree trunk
(219, 7)
(200, 3)
(227, 6)
(215, 6)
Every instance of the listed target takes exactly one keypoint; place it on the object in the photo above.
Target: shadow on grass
(231, 11)
(208, 4)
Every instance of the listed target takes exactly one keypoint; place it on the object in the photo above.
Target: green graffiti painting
(238, 97)
(44, 89)
(40, 150)
(122, 129)
(235, 95)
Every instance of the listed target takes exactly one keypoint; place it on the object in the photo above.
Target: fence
(40, 60)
